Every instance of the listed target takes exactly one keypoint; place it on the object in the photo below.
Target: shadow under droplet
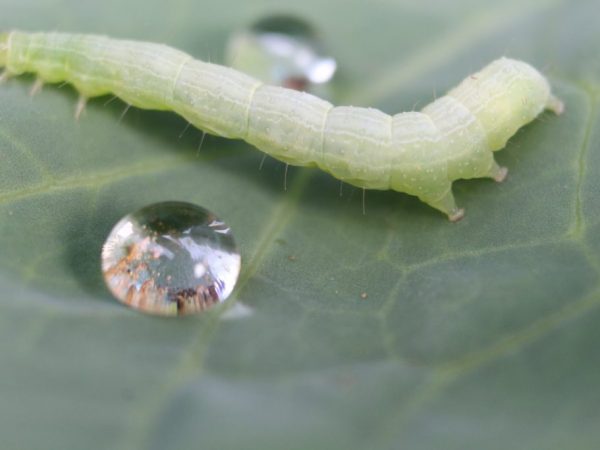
(83, 253)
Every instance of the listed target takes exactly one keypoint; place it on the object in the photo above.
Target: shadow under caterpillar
(419, 153)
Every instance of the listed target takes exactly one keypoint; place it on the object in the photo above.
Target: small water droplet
(238, 311)
(171, 258)
(284, 51)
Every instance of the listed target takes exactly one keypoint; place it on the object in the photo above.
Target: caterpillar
(419, 153)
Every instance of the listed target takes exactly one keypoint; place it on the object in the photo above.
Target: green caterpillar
(420, 153)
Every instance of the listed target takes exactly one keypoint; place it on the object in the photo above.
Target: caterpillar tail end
(555, 105)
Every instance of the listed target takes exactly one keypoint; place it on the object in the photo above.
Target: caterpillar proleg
(419, 153)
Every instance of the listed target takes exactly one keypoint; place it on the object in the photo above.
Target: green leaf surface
(477, 335)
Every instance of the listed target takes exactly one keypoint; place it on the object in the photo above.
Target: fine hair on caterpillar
(419, 153)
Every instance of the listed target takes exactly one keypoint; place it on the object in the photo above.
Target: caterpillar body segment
(420, 153)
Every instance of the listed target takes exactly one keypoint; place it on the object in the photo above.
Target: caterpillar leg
(37, 87)
(497, 173)
(447, 205)
(555, 105)
(80, 107)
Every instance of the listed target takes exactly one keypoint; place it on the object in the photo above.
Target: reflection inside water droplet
(170, 258)
(284, 51)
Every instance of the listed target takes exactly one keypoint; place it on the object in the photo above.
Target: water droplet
(170, 258)
(237, 311)
(284, 51)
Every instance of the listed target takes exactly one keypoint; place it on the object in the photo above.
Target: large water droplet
(284, 51)
(170, 258)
